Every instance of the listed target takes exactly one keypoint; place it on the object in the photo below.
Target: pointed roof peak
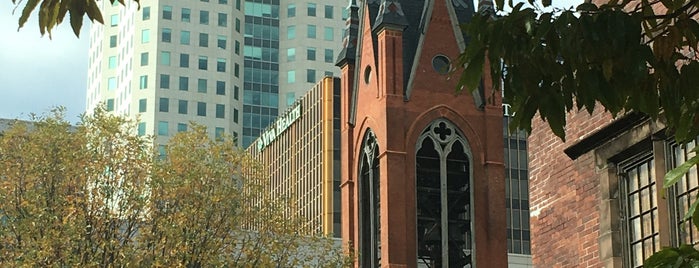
(390, 13)
(348, 53)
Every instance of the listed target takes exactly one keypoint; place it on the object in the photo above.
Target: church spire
(390, 13)
(349, 43)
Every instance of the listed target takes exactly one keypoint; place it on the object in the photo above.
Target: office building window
(112, 62)
(145, 13)
(220, 88)
(218, 132)
(311, 8)
(311, 31)
(181, 127)
(111, 83)
(237, 47)
(203, 40)
(235, 115)
(186, 14)
(291, 11)
(237, 4)
(167, 12)
(236, 90)
(290, 54)
(184, 37)
(164, 105)
(345, 13)
(201, 85)
(223, 2)
(291, 32)
(203, 62)
(141, 129)
(221, 65)
(145, 36)
(290, 98)
(166, 35)
(236, 69)
(113, 41)
(184, 60)
(164, 81)
(204, 17)
(143, 82)
(182, 106)
(165, 58)
(329, 58)
(110, 105)
(142, 105)
(201, 108)
(291, 77)
(220, 111)
(162, 128)
(237, 25)
(328, 12)
(144, 59)
(221, 41)
(184, 83)
(310, 75)
(311, 53)
(222, 19)
(328, 33)
(114, 20)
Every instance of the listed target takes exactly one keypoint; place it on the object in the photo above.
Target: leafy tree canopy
(618, 55)
(96, 195)
(53, 12)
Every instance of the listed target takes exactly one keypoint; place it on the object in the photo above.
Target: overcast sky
(37, 73)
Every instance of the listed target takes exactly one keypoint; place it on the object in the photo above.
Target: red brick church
(422, 165)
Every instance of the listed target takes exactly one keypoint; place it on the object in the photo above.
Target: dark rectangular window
(220, 111)
(184, 60)
(184, 83)
(235, 92)
(145, 13)
(113, 41)
(201, 108)
(221, 41)
(167, 12)
(186, 14)
(203, 62)
(311, 9)
(236, 71)
(166, 35)
(222, 19)
(204, 17)
(144, 59)
(329, 55)
(164, 81)
(311, 53)
(182, 107)
(110, 105)
(201, 85)
(220, 88)
(181, 127)
(291, 11)
(203, 40)
(164, 105)
(221, 65)
(235, 115)
(237, 47)
(328, 12)
(310, 75)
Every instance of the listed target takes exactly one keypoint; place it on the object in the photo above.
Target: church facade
(422, 164)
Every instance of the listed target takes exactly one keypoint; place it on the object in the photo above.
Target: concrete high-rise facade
(289, 46)
(216, 62)
(168, 63)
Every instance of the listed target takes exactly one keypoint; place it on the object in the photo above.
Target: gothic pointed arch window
(443, 188)
(370, 221)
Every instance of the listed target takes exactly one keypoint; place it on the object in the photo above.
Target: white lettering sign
(507, 110)
(278, 127)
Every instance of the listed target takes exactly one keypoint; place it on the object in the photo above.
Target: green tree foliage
(96, 195)
(53, 12)
(618, 55)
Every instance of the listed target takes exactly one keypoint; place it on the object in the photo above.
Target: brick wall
(564, 195)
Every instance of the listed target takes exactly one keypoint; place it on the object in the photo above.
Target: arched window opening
(370, 227)
(443, 179)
